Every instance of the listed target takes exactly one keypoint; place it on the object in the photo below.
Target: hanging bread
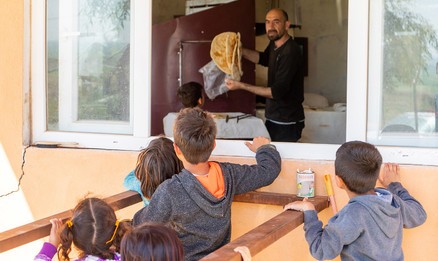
(226, 52)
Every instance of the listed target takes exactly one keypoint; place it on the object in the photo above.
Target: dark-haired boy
(370, 226)
(197, 201)
(190, 95)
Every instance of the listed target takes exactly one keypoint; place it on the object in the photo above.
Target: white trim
(26, 74)
(141, 67)
(141, 12)
(374, 104)
(357, 69)
(38, 70)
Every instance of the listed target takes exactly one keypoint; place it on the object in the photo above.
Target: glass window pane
(406, 89)
(88, 65)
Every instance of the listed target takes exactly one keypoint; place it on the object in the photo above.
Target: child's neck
(352, 194)
(199, 169)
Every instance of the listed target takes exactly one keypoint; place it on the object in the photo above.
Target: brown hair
(358, 164)
(93, 230)
(151, 242)
(189, 94)
(155, 164)
(194, 133)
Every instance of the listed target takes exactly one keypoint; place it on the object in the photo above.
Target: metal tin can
(305, 183)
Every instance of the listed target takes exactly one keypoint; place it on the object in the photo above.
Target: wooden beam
(41, 228)
(267, 233)
(272, 198)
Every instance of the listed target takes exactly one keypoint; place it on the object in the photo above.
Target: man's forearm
(251, 55)
(257, 90)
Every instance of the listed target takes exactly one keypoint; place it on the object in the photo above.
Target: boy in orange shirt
(197, 201)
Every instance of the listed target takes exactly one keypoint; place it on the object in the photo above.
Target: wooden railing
(41, 228)
(267, 233)
(256, 240)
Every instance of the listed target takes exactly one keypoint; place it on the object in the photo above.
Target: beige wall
(55, 179)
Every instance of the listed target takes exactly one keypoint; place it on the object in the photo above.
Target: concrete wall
(55, 179)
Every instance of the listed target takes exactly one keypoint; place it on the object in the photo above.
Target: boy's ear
(340, 182)
(177, 149)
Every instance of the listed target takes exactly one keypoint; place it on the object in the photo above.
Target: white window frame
(357, 86)
(140, 45)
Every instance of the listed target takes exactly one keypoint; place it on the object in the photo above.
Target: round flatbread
(226, 52)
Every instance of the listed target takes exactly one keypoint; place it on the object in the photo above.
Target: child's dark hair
(194, 133)
(358, 164)
(155, 164)
(151, 242)
(189, 94)
(93, 229)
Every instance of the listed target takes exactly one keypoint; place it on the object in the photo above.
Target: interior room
(321, 27)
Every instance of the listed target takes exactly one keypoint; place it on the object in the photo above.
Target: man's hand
(257, 142)
(389, 174)
(232, 84)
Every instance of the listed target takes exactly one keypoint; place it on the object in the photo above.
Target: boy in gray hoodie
(196, 203)
(370, 226)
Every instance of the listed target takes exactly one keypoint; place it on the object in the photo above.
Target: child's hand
(244, 252)
(300, 205)
(54, 237)
(389, 174)
(257, 142)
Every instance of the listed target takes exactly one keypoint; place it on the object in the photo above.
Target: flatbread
(226, 52)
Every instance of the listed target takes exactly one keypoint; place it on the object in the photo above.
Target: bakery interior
(181, 37)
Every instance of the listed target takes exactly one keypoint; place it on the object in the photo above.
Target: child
(93, 229)
(190, 95)
(151, 242)
(196, 203)
(370, 226)
(155, 164)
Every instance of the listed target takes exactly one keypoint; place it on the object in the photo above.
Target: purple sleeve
(46, 253)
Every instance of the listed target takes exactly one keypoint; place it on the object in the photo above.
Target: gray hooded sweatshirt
(202, 221)
(369, 227)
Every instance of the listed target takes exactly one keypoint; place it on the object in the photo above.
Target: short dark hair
(189, 94)
(151, 241)
(358, 164)
(155, 164)
(195, 133)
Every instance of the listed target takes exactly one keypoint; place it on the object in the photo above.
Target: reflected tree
(409, 40)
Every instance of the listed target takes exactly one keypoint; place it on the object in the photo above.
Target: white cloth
(245, 128)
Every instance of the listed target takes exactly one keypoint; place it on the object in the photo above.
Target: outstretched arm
(251, 55)
(256, 143)
(413, 213)
(257, 90)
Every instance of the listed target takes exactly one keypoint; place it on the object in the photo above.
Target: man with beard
(285, 92)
